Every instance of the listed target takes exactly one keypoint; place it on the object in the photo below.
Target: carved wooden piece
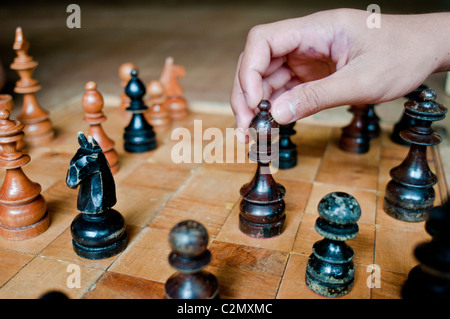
(23, 210)
(330, 270)
(262, 205)
(188, 241)
(175, 102)
(158, 115)
(92, 103)
(99, 230)
(38, 127)
(430, 279)
(125, 76)
(288, 150)
(139, 135)
(410, 195)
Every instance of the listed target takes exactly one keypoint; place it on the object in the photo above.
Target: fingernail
(285, 111)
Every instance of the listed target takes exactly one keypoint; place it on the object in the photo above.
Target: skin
(332, 58)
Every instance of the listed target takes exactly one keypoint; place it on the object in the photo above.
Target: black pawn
(430, 279)
(406, 121)
(410, 194)
(355, 137)
(188, 241)
(262, 205)
(330, 270)
(288, 150)
(139, 135)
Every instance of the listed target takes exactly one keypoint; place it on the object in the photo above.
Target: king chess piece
(330, 270)
(23, 210)
(92, 103)
(262, 205)
(430, 279)
(38, 127)
(99, 230)
(188, 241)
(139, 135)
(410, 194)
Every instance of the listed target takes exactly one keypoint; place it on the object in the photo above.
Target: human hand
(332, 58)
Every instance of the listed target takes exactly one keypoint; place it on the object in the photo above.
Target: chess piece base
(420, 286)
(199, 285)
(27, 232)
(328, 279)
(358, 145)
(99, 236)
(266, 230)
(288, 159)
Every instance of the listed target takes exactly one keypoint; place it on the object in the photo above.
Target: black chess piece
(355, 137)
(410, 194)
(188, 241)
(262, 205)
(430, 279)
(139, 135)
(288, 150)
(54, 295)
(330, 270)
(405, 120)
(98, 231)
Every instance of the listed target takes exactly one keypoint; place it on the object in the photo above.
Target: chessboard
(154, 194)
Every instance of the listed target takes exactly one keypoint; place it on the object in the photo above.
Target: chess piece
(23, 210)
(99, 230)
(430, 279)
(405, 121)
(410, 195)
(125, 76)
(330, 270)
(262, 205)
(92, 103)
(6, 102)
(157, 115)
(54, 295)
(175, 102)
(38, 127)
(188, 241)
(288, 150)
(356, 136)
(139, 135)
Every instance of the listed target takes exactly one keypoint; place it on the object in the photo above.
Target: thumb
(308, 98)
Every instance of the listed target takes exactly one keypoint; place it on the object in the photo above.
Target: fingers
(340, 88)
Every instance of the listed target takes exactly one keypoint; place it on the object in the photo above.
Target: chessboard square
(347, 169)
(389, 285)
(113, 285)
(363, 244)
(147, 256)
(61, 199)
(366, 200)
(246, 272)
(305, 170)
(167, 177)
(42, 275)
(296, 196)
(395, 248)
(213, 185)
(293, 285)
(58, 223)
(11, 262)
(311, 140)
(138, 205)
(211, 214)
(62, 249)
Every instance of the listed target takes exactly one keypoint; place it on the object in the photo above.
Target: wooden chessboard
(154, 194)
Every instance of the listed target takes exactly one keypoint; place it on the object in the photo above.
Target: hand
(332, 58)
